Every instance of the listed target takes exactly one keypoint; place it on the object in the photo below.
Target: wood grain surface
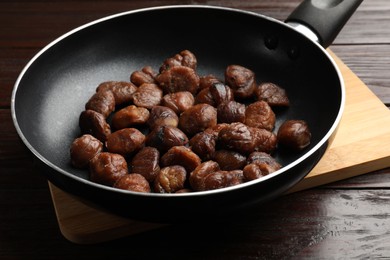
(343, 220)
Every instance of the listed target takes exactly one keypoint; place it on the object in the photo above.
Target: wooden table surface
(345, 220)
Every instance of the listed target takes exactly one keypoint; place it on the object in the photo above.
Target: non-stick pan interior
(54, 88)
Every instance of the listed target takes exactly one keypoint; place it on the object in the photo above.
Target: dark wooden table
(344, 220)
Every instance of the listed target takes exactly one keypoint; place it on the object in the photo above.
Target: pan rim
(56, 168)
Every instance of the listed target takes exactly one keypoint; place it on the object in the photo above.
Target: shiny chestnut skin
(160, 115)
(133, 182)
(207, 80)
(221, 93)
(197, 118)
(214, 130)
(102, 102)
(230, 112)
(179, 78)
(294, 134)
(178, 101)
(255, 171)
(148, 95)
(146, 162)
(223, 179)
(203, 144)
(259, 114)
(204, 96)
(170, 179)
(197, 176)
(185, 190)
(208, 176)
(241, 80)
(185, 58)
(181, 155)
(164, 137)
(95, 124)
(215, 94)
(129, 116)
(245, 139)
(106, 168)
(83, 149)
(125, 141)
(229, 160)
(237, 137)
(122, 90)
(259, 164)
(264, 140)
(272, 93)
(145, 75)
(263, 158)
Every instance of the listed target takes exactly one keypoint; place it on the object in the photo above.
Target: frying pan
(51, 92)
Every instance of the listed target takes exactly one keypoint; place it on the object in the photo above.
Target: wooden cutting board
(359, 146)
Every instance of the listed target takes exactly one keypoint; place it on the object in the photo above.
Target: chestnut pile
(175, 131)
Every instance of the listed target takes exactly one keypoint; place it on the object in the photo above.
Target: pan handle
(325, 18)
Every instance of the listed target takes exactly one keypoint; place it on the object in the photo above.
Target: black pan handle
(325, 18)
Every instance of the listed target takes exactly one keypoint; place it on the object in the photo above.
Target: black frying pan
(52, 90)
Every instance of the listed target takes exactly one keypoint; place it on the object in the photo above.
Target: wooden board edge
(338, 175)
(88, 225)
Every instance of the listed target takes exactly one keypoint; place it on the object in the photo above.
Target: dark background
(349, 219)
